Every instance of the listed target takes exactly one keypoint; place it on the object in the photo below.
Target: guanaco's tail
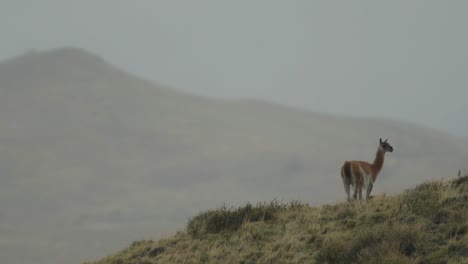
(346, 171)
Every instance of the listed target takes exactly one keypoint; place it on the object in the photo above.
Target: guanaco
(362, 174)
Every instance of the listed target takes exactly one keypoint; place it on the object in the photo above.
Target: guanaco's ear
(380, 140)
(386, 140)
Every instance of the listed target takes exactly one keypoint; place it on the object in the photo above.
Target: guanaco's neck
(379, 160)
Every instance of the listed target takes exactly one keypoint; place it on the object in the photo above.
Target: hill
(428, 224)
(93, 157)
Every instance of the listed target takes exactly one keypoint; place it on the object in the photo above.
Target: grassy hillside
(428, 224)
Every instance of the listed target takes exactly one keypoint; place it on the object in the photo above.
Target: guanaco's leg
(347, 185)
(356, 187)
(369, 189)
(360, 192)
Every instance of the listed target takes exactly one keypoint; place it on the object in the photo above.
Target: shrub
(231, 219)
(423, 201)
(334, 250)
(458, 249)
(368, 244)
(460, 181)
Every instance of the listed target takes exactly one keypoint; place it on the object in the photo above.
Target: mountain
(425, 225)
(93, 157)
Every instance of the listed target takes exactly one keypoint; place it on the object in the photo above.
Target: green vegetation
(425, 225)
(226, 220)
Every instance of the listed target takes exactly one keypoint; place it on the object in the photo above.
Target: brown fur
(361, 174)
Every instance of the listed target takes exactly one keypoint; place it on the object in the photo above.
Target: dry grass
(425, 225)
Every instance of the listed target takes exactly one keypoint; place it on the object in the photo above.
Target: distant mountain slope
(87, 150)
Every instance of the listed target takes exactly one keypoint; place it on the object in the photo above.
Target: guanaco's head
(385, 146)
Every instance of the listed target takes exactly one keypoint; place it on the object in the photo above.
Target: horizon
(324, 57)
(213, 97)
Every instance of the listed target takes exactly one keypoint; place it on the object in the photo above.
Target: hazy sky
(400, 59)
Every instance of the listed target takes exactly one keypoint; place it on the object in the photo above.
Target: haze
(396, 59)
(120, 120)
